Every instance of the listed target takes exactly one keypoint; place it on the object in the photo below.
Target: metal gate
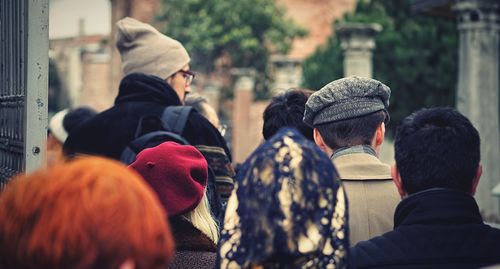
(23, 85)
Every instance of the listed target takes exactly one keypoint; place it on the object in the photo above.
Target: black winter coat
(140, 95)
(437, 228)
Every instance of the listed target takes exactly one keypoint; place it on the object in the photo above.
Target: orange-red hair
(89, 213)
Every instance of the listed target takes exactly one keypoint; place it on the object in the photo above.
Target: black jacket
(140, 95)
(437, 228)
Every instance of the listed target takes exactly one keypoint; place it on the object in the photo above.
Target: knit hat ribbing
(177, 173)
(145, 50)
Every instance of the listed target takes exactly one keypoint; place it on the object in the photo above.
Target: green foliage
(245, 30)
(416, 56)
(325, 65)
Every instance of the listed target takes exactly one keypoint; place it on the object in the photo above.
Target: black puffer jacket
(437, 228)
(140, 95)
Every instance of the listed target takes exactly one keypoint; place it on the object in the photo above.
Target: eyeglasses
(188, 76)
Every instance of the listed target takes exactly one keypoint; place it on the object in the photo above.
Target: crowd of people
(314, 194)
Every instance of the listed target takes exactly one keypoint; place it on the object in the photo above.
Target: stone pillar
(478, 86)
(357, 41)
(81, 27)
(286, 73)
(72, 80)
(212, 93)
(243, 98)
(95, 66)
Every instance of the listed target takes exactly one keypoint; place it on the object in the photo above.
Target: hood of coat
(138, 87)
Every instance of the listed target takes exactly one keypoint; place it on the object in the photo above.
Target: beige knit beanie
(143, 49)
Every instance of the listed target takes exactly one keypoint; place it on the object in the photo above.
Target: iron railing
(23, 85)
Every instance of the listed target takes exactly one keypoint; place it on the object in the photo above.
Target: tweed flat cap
(346, 98)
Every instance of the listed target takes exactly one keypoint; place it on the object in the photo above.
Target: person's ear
(169, 79)
(396, 177)
(475, 181)
(318, 139)
(380, 134)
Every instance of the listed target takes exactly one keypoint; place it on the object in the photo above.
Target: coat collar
(137, 87)
(437, 206)
(361, 166)
(354, 149)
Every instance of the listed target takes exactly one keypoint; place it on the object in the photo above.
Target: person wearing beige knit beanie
(156, 76)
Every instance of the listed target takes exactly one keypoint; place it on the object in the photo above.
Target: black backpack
(152, 131)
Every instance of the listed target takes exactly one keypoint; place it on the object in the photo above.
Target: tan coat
(372, 196)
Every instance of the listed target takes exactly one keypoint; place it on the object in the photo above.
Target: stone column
(478, 86)
(357, 41)
(286, 73)
(243, 98)
(212, 92)
(74, 73)
(95, 75)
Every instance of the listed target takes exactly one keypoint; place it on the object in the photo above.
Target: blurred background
(430, 53)
(271, 44)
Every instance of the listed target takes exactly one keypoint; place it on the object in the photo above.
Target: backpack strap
(148, 140)
(175, 118)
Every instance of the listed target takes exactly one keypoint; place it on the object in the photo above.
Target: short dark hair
(351, 132)
(437, 148)
(287, 109)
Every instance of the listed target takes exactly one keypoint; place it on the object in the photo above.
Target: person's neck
(353, 149)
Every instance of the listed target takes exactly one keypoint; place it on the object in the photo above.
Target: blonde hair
(202, 219)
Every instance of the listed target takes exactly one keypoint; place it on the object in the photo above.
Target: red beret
(178, 174)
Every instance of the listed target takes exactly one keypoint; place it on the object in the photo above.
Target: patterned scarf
(288, 209)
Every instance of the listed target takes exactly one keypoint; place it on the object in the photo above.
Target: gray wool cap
(346, 98)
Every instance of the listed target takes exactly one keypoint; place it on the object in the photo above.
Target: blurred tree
(416, 56)
(245, 32)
